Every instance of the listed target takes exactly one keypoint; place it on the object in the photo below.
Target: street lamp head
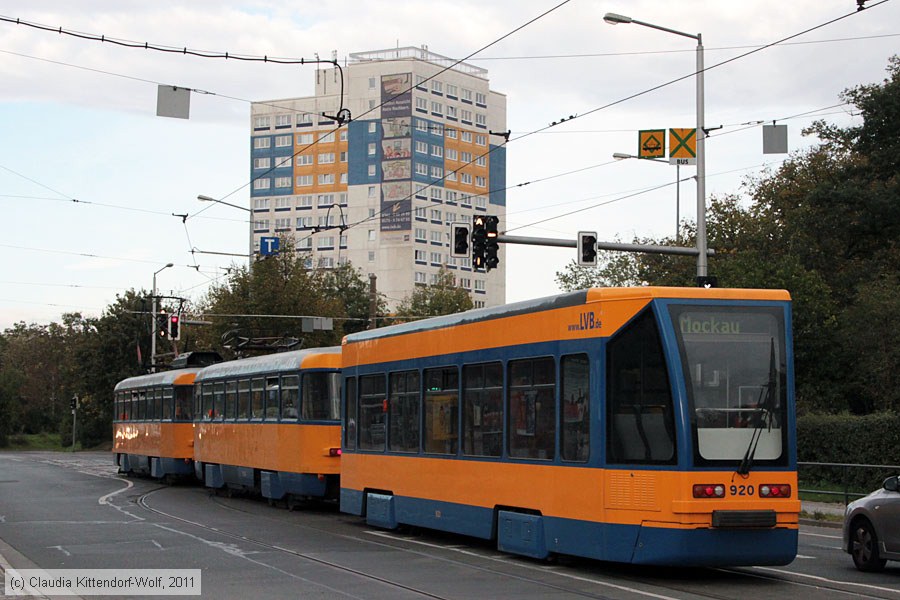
(622, 156)
(169, 265)
(614, 19)
(206, 198)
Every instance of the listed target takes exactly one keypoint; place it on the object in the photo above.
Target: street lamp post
(623, 156)
(614, 19)
(205, 198)
(153, 326)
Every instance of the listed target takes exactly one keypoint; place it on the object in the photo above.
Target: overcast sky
(90, 177)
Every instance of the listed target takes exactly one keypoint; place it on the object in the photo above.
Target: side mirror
(891, 484)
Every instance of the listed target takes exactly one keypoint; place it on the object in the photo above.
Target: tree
(441, 298)
(348, 285)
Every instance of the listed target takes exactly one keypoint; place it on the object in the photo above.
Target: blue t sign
(268, 246)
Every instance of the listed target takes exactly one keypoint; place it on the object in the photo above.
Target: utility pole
(74, 404)
(373, 300)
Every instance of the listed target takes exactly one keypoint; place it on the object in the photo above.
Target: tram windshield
(734, 366)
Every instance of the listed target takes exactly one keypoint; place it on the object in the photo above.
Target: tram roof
(161, 378)
(269, 363)
(567, 300)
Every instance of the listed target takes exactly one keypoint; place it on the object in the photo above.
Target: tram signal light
(587, 248)
(175, 326)
(492, 247)
(73, 403)
(479, 241)
(162, 325)
(460, 234)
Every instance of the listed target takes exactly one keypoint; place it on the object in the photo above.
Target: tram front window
(734, 366)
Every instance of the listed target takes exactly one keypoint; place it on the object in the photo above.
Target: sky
(92, 181)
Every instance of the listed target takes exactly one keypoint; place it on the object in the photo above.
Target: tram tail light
(334, 452)
(775, 490)
(709, 490)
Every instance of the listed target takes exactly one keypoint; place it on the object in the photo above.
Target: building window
(371, 150)
(436, 215)
(372, 83)
(260, 204)
(283, 203)
(305, 119)
(282, 182)
(420, 256)
(304, 180)
(437, 109)
(262, 184)
(325, 200)
(466, 116)
(465, 178)
(437, 172)
(436, 86)
(372, 191)
(262, 142)
(283, 141)
(421, 104)
(481, 139)
(282, 224)
(481, 161)
(344, 156)
(261, 225)
(371, 256)
(421, 234)
(451, 133)
(371, 170)
(419, 277)
(421, 147)
(452, 91)
(437, 259)
(262, 163)
(465, 157)
(437, 151)
(304, 139)
(371, 235)
(325, 242)
(304, 222)
(467, 95)
(479, 285)
(437, 237)
(421, 169)
(436, 193)
(480, 99)
(373, 127)
(421, 125)
(305, 201)
(304, 160)
(480, 181)
(260, 122)
(466, 136)
(343, 177)
(327, 138)
(283, 162)
(343, 136)
(420, 212)
(326, 158)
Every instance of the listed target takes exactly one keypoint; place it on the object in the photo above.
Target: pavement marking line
(554, 571)
(105, 499)
(830, 537)
(826, 580)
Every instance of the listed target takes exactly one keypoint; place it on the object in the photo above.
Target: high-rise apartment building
(421, 151)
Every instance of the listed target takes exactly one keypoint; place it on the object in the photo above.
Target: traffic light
(460, 234)
(73, 403)
(175, 326)
(479, 241)
(492, 246)
(162, 325)
(587, 248)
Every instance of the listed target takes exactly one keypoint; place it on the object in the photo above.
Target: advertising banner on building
(396, 152)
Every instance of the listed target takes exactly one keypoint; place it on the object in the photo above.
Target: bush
(848, 439)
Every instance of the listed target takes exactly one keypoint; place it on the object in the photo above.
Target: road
(63, 511)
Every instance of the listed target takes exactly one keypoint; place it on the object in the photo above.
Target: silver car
(872, 527)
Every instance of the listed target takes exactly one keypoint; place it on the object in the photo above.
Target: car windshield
(734, 366)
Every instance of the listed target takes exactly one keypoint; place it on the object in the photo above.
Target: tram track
(658, 590)
(142, 502)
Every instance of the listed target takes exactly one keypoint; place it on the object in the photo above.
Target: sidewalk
(832, 513)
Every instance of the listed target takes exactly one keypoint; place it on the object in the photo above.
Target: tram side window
(167, 404)
(639, 401)
(153, 403)
(257, 398)
(218, 407)
(321, 396)
(350, 418)
(403, 411)
(575, 426)
(198, 401)
(243, 399)
(207, 410)
(231, 399)
(441, 410)
(532, 408)
(289, 397)
(483, 409)
(183, 404)
(272, 390)
(371, 412)
(141, 406)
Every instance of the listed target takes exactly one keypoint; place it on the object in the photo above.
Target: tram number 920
(743, 490)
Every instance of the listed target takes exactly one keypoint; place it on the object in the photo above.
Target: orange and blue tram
(270, 425)
(153, 425)
(641, 425)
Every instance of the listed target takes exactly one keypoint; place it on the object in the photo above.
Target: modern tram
(640, 425)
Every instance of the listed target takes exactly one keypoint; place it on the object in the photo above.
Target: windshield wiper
(766, 405)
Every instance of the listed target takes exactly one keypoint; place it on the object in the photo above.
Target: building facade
(381, 190)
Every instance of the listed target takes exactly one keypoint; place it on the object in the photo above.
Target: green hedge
(871, 440)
